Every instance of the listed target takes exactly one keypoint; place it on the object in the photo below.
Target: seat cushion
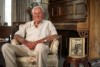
(26, 61)
(31, 61)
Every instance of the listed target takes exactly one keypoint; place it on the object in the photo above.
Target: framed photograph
(77, 47)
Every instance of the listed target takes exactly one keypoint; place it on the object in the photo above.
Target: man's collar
(32, 22)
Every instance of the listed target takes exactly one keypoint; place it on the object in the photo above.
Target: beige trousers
(11, 52)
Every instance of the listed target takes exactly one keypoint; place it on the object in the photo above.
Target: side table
(75, 62)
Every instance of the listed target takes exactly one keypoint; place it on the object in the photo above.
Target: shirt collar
(32, 23)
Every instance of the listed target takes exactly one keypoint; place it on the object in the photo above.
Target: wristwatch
(45, 40)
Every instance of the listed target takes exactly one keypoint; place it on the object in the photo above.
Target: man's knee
(41, 48)
(5, 46)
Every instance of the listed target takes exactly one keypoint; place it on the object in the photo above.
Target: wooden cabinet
(70, 18)
(5, 31)
(68, 10)
(5, 35)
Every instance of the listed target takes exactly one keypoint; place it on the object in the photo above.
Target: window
(8, 11)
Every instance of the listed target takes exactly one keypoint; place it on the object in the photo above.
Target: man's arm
(31, 45)
(19, 38)
(47, 39)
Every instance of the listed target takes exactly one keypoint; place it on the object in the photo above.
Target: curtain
(19, 10)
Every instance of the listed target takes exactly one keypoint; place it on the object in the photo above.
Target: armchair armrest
(54, 47)
(14, 42)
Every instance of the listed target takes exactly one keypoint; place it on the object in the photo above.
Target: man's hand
(30, 45)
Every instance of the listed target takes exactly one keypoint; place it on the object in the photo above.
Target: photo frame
(77, 47)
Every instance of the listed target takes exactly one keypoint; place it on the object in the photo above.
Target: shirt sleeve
(52, 29)
(21, 30)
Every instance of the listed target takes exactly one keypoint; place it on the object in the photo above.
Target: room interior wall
(2, 5)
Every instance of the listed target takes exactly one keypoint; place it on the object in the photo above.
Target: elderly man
(43, 3)
(32, 36)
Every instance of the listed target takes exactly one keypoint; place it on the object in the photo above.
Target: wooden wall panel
(94, 48)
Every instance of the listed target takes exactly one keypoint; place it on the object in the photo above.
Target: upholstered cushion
(54, 46)
(26, 61)
(14, 42)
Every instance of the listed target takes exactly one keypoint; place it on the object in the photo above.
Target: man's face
(38, 15)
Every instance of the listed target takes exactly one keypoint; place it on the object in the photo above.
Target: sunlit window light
(8, 11)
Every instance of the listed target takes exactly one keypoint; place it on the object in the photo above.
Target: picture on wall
(77, 47)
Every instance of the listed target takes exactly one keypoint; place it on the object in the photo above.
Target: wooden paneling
(94, 48)
(5, 32)
(68, 10)
(71, 18)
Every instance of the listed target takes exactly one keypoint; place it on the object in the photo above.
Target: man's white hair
(40, 7)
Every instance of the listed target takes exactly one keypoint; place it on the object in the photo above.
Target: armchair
(31, 61)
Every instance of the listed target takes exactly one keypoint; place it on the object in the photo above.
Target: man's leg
(10, 52)
(42, 52)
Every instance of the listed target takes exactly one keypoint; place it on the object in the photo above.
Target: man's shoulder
(28, 23)
(47, 21)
